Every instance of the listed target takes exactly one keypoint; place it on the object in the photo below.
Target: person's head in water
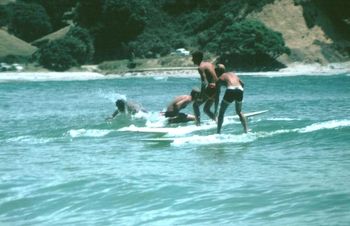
(219, 69)
(120, 105)
(197, 57)
(195, 94)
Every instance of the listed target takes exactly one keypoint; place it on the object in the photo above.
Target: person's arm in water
(115, 113)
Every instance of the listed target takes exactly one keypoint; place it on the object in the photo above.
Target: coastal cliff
(307, 30)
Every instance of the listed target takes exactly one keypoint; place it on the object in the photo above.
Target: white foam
(298, 69)
(50, 76)
(156, 120)
(333, 124)
(140, 115)
(29, 140)
(74, 133)
(252, 136)
(214, 139)
(280, 119)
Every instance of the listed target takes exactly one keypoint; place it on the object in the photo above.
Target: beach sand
(295, 69)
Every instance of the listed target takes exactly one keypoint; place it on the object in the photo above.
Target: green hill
(10, 45)
(240, 33)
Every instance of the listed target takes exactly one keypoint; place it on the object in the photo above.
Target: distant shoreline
(186, 72)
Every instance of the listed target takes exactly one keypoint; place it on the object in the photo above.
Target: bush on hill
(156, 42)
(251, 42)
(3, 15)
(56, 10)
(83, 36)
(57, 55)
(251, 37)
(11, 59)
(72, 50)
(112, 23)
(28, 21)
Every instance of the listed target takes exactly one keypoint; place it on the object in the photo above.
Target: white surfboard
(159, 139)
(206, 125)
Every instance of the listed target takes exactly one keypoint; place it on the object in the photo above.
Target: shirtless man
(208, 87)
(234, 92)
(173, 111)
(126, 107)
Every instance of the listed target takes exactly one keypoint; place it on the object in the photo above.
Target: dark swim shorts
(233, 95)
(171, 114)
(210, 91)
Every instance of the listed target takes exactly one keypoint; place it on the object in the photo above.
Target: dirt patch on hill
(308, 45)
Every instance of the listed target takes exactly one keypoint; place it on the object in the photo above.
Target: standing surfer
(234, 92)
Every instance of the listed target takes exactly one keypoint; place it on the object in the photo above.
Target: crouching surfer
(180, 102)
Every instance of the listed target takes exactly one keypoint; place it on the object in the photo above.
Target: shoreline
(295, 69)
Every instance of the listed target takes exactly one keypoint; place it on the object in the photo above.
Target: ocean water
(61, 163)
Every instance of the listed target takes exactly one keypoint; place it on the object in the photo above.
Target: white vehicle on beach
(181, 52)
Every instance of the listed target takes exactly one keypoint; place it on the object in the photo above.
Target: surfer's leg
(207, 107)
(197, 113)
(182, 117)
(222, 110)
(242, 118)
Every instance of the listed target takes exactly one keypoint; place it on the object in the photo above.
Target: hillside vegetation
(309, 30)
(243, 34)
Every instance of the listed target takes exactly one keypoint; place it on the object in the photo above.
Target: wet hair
(195, 93)
(219, 69)
(120, 104)
(198, 55)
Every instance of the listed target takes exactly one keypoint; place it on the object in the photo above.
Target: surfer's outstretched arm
(115, 113)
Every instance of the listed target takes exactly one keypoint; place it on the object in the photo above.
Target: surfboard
(250, 114)
(206, 125)
(159, 139)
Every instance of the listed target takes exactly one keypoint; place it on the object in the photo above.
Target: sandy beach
(295, 69)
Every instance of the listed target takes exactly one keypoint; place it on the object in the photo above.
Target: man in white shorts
(234, 92)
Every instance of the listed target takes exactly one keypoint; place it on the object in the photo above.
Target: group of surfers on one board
(212, 78)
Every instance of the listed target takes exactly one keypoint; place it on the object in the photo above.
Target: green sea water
(61, 163)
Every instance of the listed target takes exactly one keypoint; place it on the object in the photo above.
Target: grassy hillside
(53, 36)
(307, 44)
(306, 28)
(10, 45)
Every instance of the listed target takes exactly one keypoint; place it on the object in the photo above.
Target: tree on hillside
(56, 10)
(83, 36)
(73, 50)
(57, 56)
(111, 22)
(3, 15)
(28, 21)
(176, 7)
(250, 43)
